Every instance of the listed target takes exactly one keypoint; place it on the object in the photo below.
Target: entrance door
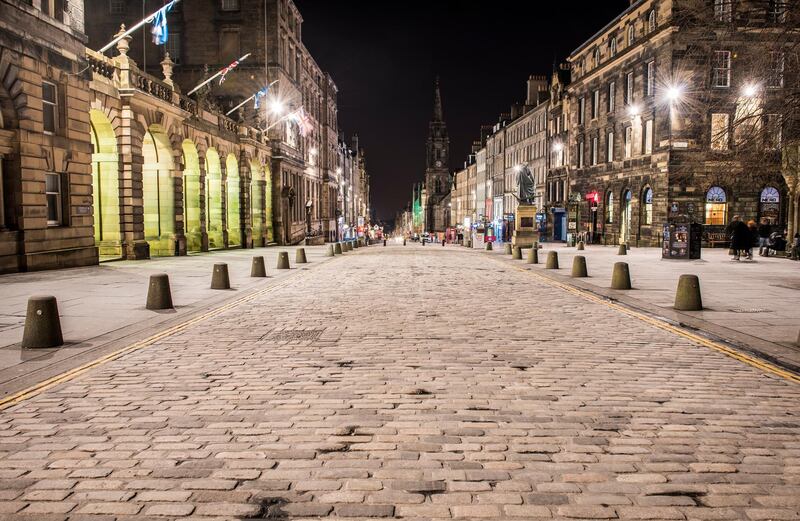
(625, 222)
(559, 226)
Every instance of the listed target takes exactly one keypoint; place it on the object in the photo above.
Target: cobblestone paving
(414, 383)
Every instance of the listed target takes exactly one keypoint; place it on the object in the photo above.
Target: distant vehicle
(415, 237)
(426, 237)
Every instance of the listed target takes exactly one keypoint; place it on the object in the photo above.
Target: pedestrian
(754, 239)
(740, 237)
(796, 246)
(764, 229)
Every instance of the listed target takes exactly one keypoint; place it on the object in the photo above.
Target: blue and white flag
(160, 31)
(260, 94)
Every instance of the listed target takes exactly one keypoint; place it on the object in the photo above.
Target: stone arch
(158, 192)
(257, 202)
(192, 218)
(234, 197)
(10, 164)
(213, 205)
(268, 188)
(105, 186)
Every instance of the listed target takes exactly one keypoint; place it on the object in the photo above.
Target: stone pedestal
(525, 231)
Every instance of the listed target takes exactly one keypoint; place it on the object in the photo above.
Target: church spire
(438, 114)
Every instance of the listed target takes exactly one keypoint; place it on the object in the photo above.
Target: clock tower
(437, 171)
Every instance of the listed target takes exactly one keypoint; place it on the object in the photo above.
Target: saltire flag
(260, 94)
(228, 69)
(160, 30)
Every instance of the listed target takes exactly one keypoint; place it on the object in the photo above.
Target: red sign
(593, 196)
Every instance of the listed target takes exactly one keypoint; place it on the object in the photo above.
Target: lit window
(628, 88)
(648, 137)
(594, 150)
(723, 10)
(628, 142)
(647, 216)
(716, 206)
(722, 69)
(610, 145)
(650, 80)
(49, 107)
(52, 190)
(610, 207)
(720, 131)
(770, 205)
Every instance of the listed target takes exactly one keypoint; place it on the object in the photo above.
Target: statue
(526, 190)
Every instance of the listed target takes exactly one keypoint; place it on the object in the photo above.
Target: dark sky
(384, 57)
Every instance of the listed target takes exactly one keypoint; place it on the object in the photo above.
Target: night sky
(384, 57)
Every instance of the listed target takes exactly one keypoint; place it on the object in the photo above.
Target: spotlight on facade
(750, 90)
(517, 168)
(558, 147)
(674, 93)
(633, 110)
(276, 107)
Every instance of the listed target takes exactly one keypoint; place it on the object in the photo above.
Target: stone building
(437, 173)
(212, 34)
(558, 135)
(45, 138)
(659, 106)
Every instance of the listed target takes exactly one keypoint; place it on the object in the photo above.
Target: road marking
(66, 376)
(660, 324)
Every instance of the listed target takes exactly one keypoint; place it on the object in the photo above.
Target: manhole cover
(749, 310)
(295, 335)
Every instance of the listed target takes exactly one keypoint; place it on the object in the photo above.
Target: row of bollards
(43, 325)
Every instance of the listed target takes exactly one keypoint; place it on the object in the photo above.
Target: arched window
(647, 208)
(631, 34)
(716, 206)
(612, 47)
(651, 21)
(596, 57)
(770, 205)
(610, 207)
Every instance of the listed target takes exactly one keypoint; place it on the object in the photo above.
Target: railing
(188, 104)
(228, 124)
(151, 85)
(101, 65)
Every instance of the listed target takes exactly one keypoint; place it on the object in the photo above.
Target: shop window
(610, 207)
(770, 204)
(54, 198)
(647, 217)
(716, 206)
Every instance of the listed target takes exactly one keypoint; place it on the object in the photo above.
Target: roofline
(585, 44)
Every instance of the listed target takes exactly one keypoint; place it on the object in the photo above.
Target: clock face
(438, 163)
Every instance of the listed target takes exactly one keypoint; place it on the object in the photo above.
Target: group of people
(746, 236)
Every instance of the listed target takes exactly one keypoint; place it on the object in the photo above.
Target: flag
(160, 31)
(228, 69)
(303, 121)
(260, 94)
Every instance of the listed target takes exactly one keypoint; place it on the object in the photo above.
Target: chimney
(536, 84)
(516, 111)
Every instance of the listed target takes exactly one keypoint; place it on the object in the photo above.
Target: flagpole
(240, 104)
(281, 119)
(132, 29)
(214, 76)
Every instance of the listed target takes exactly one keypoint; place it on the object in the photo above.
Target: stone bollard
(337, 248)
(621, 276)
(355, 244)
(219, 277)
(384, 243)
(329, 251)
(300, 256)
(516, 253)
(283, 260)
(257, 267)
(581, 246)
(349, 245)
(623, 250)
(488, 246)
(507, 249)
(42, 324)
(552, 260)
(423, 242)
(688, 298)
(579, 267)
(469, 244)
(159, 295)
(443, 243)
(533, 255)
(404, 242)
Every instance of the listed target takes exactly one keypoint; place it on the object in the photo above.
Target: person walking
(754, 239)
(764, 229)
(740, 237)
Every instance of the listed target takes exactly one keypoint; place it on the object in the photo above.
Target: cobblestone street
(409, 382)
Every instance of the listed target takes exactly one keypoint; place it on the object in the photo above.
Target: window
(230, 5)
(229, 47)
(612, 47)
(651, 21)
(594, 150)
(776, 12)
(720, 131)
(610, 207)
(595, 104)
(631, 34)
(612, 92)
(770, 205)
(628, 142)
(580, 154)
(49, 107)
(54, 8)
(610, 146)
(628, 88)
(650, 78)
(173, 46)
(116, 7)
(647, 213)
(723, 10)
(722, 69)
(773, 132)
(777, 62)
(52, 190)
(581, 111)
(648, 136)
(596, 57)
(716, 206)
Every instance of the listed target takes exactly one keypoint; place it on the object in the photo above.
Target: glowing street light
(276, 107)
(674, 93)
(633, 110)
(558, 146)
(750, 90)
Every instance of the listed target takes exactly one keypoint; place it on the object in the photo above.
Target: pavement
(421, 383)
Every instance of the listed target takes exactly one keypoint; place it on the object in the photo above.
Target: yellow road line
(44, 385)
(732, 353)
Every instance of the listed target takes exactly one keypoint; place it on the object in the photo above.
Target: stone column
(203, 204)
(245, 210)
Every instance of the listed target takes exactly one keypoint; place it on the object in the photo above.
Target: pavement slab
(416, 383)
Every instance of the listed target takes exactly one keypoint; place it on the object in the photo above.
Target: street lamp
(634, 110)
(276, 106)
(674, 93)
(750, 90)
